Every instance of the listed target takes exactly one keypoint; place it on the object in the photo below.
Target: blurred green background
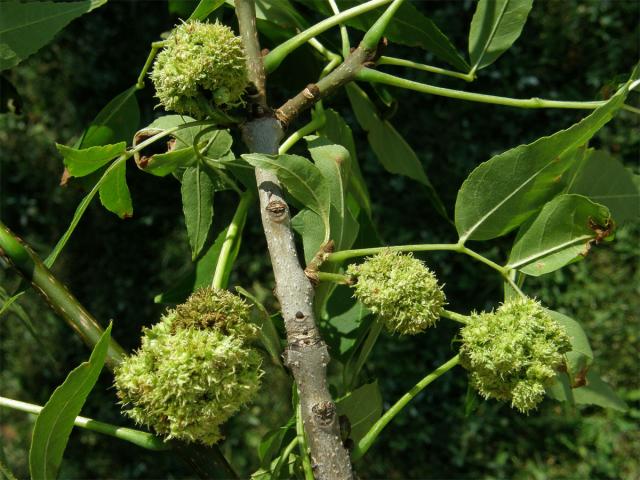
(569, 50)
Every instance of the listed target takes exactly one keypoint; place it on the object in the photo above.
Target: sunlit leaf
(114, 191)
(301, 178)
(561, 233)
(496, 24)
(26, 27)
(505, 191)
(197, 204)
(605, 180)
(81, 162)
(55, 421)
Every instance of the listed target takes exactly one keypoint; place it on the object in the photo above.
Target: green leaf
(407, 27)
(395, 154)
(495, 26)
(339, 132)
(334, 163)
(81, 162)
(268, 332)
(580, 358)
(561, 233)
(27, 27)
(205, 8)
(310, 227)
(53, 426)
(116, 122)
(605, 180)
(197, 204)
(503, 192)
(301, 178)
(363, 407)
(272, 442)
(211, 143)
(595, 392)
(114, 192)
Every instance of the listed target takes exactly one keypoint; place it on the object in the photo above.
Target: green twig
(401, 62)
(275, 57)
(374, 76)
(55, 293)
(376, 31)
(456, 317)
(338, 278)
(302, 445)
(343, 255)
(142, 439)
(315, 123)
(285, 455)
(365, 351)
(344, 34)
(155, 46)
(231, 238)
(368, 440)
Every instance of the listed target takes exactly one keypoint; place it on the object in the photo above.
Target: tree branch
(307, 355)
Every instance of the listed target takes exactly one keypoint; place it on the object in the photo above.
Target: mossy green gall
(192, 374)
(201, 68)
(400, 290)
(513, 352)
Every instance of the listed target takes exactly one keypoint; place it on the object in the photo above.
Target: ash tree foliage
(217, 130)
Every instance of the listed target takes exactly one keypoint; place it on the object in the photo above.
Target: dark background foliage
(568, 50)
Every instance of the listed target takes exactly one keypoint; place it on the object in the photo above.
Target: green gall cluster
(190, 375)
(513, 352)
(400, 290)
(203, 66)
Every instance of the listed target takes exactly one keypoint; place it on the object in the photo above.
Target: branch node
(324, 413)
(277, 210)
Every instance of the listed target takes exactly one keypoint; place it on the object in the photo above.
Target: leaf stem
(230, 240)
(374, 76)
(285, 455)
(302, 445)
(368, 440)
(344, 34)
(315, 123)
(275, 57)
(401, 62)
(142, 439)
(84, 203)
(55, 293)
(341, 256)
(473, 254)
(376, 31)
(155, 46)
(456, 317)
(338, 278)
(363, 354)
